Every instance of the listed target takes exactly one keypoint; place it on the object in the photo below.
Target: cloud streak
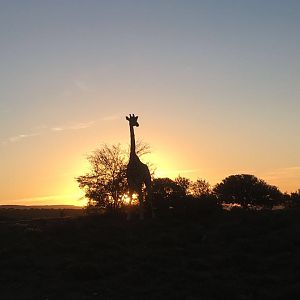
(288, 172)
(74, 199)
(76, 126)
(283, 177)
(83, 86)
(19, 137)
(112, 117)
(72, 126)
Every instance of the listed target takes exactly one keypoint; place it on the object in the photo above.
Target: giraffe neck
(132, 142)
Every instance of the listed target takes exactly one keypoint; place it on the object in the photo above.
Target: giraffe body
(137, 174)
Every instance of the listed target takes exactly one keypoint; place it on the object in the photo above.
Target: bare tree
(105, 184)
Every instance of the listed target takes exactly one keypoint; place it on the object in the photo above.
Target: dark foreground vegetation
(11, 213)
(237, 254)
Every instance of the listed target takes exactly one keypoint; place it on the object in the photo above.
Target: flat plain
(233, 254)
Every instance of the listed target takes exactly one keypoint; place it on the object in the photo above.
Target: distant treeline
(11, 214)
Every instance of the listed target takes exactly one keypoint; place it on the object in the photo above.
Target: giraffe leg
(149, 195)
(141, 204)
(150, 199)
(129, 206)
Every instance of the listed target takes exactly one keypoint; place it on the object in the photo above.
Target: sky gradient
(216, 85)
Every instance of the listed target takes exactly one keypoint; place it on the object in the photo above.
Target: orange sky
(44, 166)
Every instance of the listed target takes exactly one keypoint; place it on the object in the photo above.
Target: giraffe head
(133, 120)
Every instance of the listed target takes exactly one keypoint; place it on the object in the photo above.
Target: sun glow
(126, 199)
(70, 192)
(168, 165)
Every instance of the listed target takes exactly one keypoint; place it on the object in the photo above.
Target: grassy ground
(222, 255)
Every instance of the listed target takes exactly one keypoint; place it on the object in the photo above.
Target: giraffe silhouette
(137, 172)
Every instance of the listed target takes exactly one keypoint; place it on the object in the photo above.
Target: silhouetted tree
(165, 188)
(174, 197)
(167, 194)
(200, 188)
(295, 198)
(141, 148)
(247, 190)
(105, 183)
(184, 185)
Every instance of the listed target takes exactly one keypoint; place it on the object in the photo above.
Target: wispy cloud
(74, 87)
(287, 179)
(112, 117)
(288, 172)
(48, 200)
(19, 137)
(40, 198)
(83, 86)
(43, 129)
(74, 126)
